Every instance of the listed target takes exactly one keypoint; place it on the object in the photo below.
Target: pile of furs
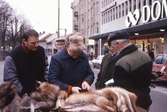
(49, 97)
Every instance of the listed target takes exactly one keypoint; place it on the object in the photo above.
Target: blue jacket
(66, 71)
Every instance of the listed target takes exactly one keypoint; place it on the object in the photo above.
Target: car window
(158, 60)
(164, 59)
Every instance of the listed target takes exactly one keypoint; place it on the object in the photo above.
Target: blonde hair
(67, 43)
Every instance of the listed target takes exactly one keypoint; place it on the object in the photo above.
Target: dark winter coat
(105, 73)
(66, 71)
(132, 71)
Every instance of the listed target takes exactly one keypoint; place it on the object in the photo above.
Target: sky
(43, 14)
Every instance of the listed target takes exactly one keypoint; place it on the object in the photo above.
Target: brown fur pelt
(47, 94)
(111, 99)
(14, 105)
(43, 100)
(7, 93)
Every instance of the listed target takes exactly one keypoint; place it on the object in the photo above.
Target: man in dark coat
(26, 64)
(69, 68)
(106, 69)
(132, 69)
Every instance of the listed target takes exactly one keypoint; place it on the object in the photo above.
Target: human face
(60, 45)
(74, 54)
(115, 47)
(31, 43)
(111, 50)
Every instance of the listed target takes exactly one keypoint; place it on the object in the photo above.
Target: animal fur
(7, 93)
(43, 100)
(94, 98)
(47, 94)
(112, 99)
(11, 100)
(27, 104)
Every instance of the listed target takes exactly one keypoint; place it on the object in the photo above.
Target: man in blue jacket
(69, 68)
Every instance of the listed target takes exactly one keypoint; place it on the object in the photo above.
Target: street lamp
(58, 32)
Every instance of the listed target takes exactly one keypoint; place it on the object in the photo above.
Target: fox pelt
(47, 94)
(111, 99)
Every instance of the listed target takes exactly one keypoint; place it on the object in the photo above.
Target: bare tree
(4, 17)
(12, 27)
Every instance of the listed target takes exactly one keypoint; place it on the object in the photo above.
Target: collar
(25, 48)
(127, 50)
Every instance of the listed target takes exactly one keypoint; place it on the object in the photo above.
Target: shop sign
(91, 42)
(108, 6)
(155, 12)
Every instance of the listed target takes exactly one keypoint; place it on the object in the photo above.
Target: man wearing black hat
(132, 69)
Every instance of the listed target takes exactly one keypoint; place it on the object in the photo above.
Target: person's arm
(54, 75)
(10, 73)
(46, 67)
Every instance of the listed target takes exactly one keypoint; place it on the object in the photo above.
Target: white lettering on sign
(108, 6)
(155, 12)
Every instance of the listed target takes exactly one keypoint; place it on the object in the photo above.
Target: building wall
(112, 15)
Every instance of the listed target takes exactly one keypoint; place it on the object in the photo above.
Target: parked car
(159, 68)
(97, 62)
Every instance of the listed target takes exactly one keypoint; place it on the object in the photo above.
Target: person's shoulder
(107, 55)
(40, 47)
(15, 50)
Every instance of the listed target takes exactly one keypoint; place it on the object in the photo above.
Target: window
(130, 5)
(111, 14)
(122, 10)
(119, 11)
(126, 4)
(144, 2)
(82, 18)
(134, 4)
(97, 7)
(97, 26)
(116, 12)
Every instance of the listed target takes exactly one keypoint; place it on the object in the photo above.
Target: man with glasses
(132, 69)
(69, 68)
(26, 63)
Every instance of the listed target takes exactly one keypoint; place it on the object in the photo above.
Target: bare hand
(75, 89)
(85, 85)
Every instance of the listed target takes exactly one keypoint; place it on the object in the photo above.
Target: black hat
(121, 34)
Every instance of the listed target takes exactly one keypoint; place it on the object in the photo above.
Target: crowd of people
(69, 68)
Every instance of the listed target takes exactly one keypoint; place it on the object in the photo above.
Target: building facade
(145, 20)
(86, 20)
